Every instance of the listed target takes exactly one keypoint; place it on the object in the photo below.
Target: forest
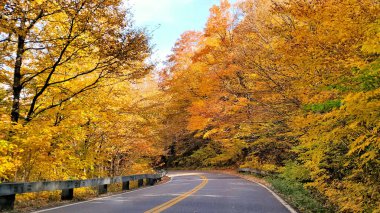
(287, 87)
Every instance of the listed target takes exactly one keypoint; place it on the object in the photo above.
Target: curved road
(186, 192)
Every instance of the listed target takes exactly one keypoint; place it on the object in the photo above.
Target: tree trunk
(17, 87)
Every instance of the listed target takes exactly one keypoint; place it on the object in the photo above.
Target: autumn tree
(112, 137)
(67, 75)
(64, 49)
(286, 86)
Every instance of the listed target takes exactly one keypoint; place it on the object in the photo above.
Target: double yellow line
(178, 199)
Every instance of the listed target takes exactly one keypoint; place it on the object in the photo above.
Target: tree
(65, 49)
(64, 67)
(285, 85)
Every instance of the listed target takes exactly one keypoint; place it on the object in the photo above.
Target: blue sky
(170, 18)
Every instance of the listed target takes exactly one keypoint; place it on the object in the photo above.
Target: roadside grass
(298, 196)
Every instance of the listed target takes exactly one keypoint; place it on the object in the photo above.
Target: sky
(168, 19)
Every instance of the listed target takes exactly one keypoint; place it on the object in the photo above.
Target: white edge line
(99, 198)
(283, 202)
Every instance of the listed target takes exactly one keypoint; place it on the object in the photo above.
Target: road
(186, 192)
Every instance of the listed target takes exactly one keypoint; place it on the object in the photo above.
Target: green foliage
(365, 79)
(295, 172)
(327, 106)
(369, 77)
(213, 154)
(199, 157)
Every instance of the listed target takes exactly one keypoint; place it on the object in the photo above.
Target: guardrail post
(151, 181)
(102, 189)
(140, 182)
(7, 202)
(125, 186)
(67, 194)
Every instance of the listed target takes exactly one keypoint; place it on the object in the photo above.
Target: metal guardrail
(8, 191)
(254, 171)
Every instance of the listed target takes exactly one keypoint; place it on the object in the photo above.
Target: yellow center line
(178, 199)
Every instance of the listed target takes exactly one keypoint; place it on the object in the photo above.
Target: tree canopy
(287, 87)
(275, 85)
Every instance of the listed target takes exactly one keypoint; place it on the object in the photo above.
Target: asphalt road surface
(186, 192)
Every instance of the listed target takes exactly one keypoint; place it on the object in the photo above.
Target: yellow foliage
(295, 82)
(342, 147)
(197, 123)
